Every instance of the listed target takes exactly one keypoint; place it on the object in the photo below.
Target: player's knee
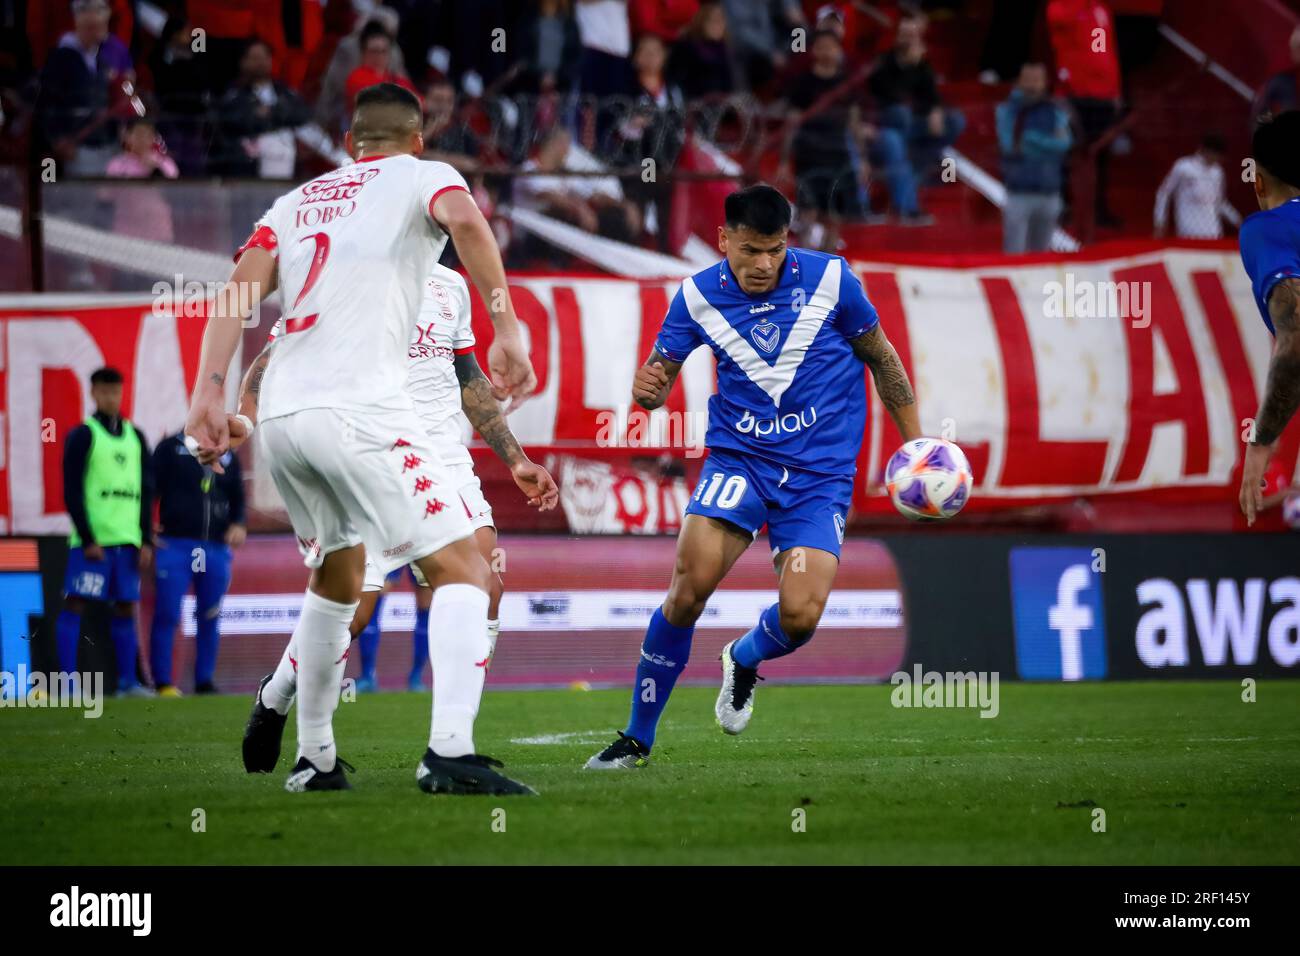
(799, 619)
(123, 609)
(74, 604)
(684, 605)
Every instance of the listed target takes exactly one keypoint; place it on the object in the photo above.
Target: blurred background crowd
(613, 116)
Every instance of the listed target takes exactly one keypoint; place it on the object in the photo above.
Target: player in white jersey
(350, 251)
(445, 381)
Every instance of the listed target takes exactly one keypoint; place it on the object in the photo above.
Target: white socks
(322, 639)
(459, 649)
(494, 631)
(279, 691)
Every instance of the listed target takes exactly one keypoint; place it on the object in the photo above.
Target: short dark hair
(1215, 143)
(759, 207)
(106, 376)
(372, 29)
(1276, 146)
(384, 113)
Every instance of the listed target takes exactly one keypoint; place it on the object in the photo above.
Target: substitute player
(790, 329)
(445, 379)
(1270, 251)
(350, 251)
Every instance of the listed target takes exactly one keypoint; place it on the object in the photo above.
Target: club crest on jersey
(766, 335)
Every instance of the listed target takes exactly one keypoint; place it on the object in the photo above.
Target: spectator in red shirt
(666, 19)
(1087, 67)
(376, 51)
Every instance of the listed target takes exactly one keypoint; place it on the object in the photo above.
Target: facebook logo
(1058, 612)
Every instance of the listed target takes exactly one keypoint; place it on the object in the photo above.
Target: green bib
(112, 486)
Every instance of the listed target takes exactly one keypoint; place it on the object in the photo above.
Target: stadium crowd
(558, 105)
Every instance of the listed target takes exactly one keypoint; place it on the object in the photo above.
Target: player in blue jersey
(1270, 251)
(791, 330)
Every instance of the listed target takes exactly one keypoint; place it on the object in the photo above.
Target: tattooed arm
(251, 387)
(895, 391)
(483, 412)
(654, 380)
(1281, 393)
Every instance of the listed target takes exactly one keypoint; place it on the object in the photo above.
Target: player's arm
(1281, 392)
(873, 348)
(654, 380)
(483, 412)
(512, 372)
(252, 280)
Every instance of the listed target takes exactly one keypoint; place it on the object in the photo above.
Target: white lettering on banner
(1048, 403)
(1226, 620)
(32, 346)
(566, 610)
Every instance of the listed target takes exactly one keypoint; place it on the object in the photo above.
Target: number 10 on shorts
(732, 490)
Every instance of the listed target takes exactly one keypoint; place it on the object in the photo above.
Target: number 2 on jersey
(318, 259)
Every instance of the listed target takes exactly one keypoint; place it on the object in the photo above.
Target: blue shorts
(116, 578)
(800, 508)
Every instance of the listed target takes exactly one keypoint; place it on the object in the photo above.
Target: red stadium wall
(1071, 413)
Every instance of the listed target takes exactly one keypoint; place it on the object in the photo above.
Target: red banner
(1124, 378)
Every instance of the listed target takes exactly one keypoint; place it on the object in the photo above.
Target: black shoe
(262, 735)
(207, 687)
(623, 754)
(305, 776)
(471, 774)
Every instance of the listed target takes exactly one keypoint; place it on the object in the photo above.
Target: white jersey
(441, 333)
(354, 247)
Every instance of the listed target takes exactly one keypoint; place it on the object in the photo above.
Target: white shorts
(349, 478)
(470, 491)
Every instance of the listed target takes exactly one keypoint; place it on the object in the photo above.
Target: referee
(106, 490)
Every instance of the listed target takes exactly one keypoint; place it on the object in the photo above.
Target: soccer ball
(1291, 511)
(928, 479)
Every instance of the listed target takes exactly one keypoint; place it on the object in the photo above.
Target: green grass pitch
(1187, 773)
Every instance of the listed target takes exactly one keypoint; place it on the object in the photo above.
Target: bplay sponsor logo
(1059, 615)
(786, 424)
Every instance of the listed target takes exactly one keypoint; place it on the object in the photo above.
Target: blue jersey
(1270, 251)
(790, 389)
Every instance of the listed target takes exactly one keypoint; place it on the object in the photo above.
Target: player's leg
(717, 529)
(458, 650)
(458, 644)
(806, 528)
(172, 572)
(322, 639)
(366, 629)
(210, 584)
(393, 480)
(420, 637)
(124, 593)
(85, 580)
(306, 457)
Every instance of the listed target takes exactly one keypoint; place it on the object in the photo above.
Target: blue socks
(419, 646)
(122, 631)
(67, 634)
(765, 642)
(663, 657)
(368, 641)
